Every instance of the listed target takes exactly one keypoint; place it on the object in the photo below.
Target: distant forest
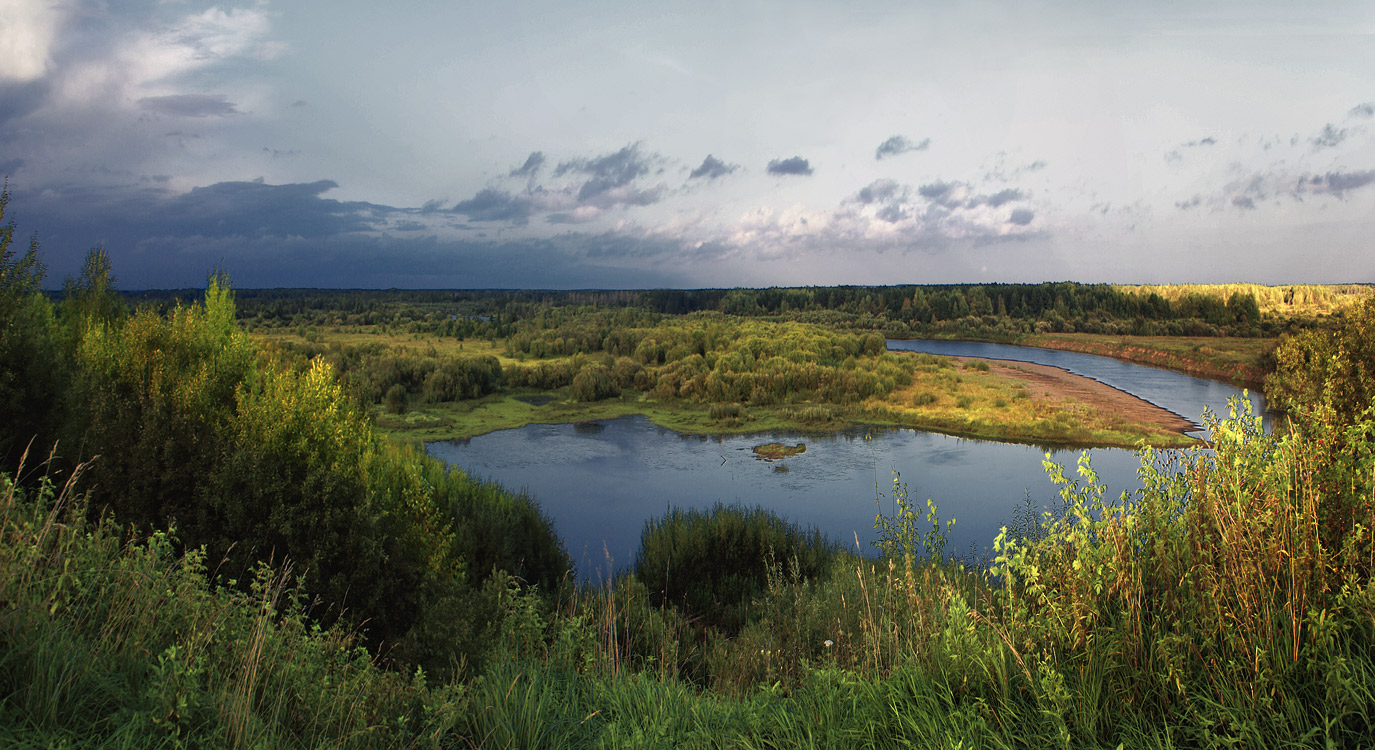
(989, 311)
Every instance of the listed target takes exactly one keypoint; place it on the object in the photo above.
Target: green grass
(1242, 361)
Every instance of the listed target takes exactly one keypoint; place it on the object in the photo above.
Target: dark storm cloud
(1243, 201)
(189, 105)
(1364, 111)
(252, 210)
(289, 235)
(491, 204)
(1328, 137)
(19, 99)
(792, 166)
(712, 168)
(899, 144)
(1021, 217)
(531, 167)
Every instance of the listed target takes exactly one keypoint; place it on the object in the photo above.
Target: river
(600, 481)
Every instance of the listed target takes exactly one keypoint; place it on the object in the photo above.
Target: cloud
(792, 166)
(1328, 137)
(491, 204)
(1340, 182)
(938, 192)
(899, 144)
(1002, 196)
(598, 184)
(20, 99)
(611, 171)
(189, 105)
(1363, 111)
(880, 191)
(268, 235)
(10, 166)
(1249, 191)
(30, 33)
(712, 168)
(1177, 155)
(885, 216)
(531, 167)
(1001, 172)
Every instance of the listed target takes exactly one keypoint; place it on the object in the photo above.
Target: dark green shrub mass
(713, 562)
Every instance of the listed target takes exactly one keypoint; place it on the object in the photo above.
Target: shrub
(594, 383)
(713, 562)
(395, 399)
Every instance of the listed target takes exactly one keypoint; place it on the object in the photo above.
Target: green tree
(90, 300)
(33, 372)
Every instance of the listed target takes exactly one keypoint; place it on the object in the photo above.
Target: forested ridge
(204, 542)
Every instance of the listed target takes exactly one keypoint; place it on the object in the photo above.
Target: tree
(91, 300)
(33, 373)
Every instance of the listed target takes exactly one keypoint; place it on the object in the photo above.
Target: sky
(646, 144)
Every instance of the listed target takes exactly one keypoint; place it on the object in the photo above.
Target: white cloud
(30, 28)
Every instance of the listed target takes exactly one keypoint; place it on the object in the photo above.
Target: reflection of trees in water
(588, 428)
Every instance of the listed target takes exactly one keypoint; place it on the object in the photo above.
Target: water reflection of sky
(600, 481)
(600, 485)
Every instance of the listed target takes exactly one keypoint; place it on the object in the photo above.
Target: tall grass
(1227, 604)
(109, 642)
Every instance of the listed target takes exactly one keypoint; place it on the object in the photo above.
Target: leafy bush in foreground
(711, 563)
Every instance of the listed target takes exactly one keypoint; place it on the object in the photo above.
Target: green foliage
(593, 383)
(33, 371)
(109, 643)
(1331, 369)
(712, 563)
(394, 401)
(90, 300)
(258, 460)
(900, 534)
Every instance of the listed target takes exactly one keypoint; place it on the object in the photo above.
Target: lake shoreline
(1145, 421)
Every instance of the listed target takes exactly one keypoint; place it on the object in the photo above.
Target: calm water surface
(601, 481)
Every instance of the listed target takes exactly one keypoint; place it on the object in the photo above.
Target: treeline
(1003, 311)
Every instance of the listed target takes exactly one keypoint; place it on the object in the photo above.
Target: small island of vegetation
(778, 451)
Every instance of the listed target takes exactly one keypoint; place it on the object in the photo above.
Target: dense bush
(594, 383)
(32, 368)
(713, 562)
